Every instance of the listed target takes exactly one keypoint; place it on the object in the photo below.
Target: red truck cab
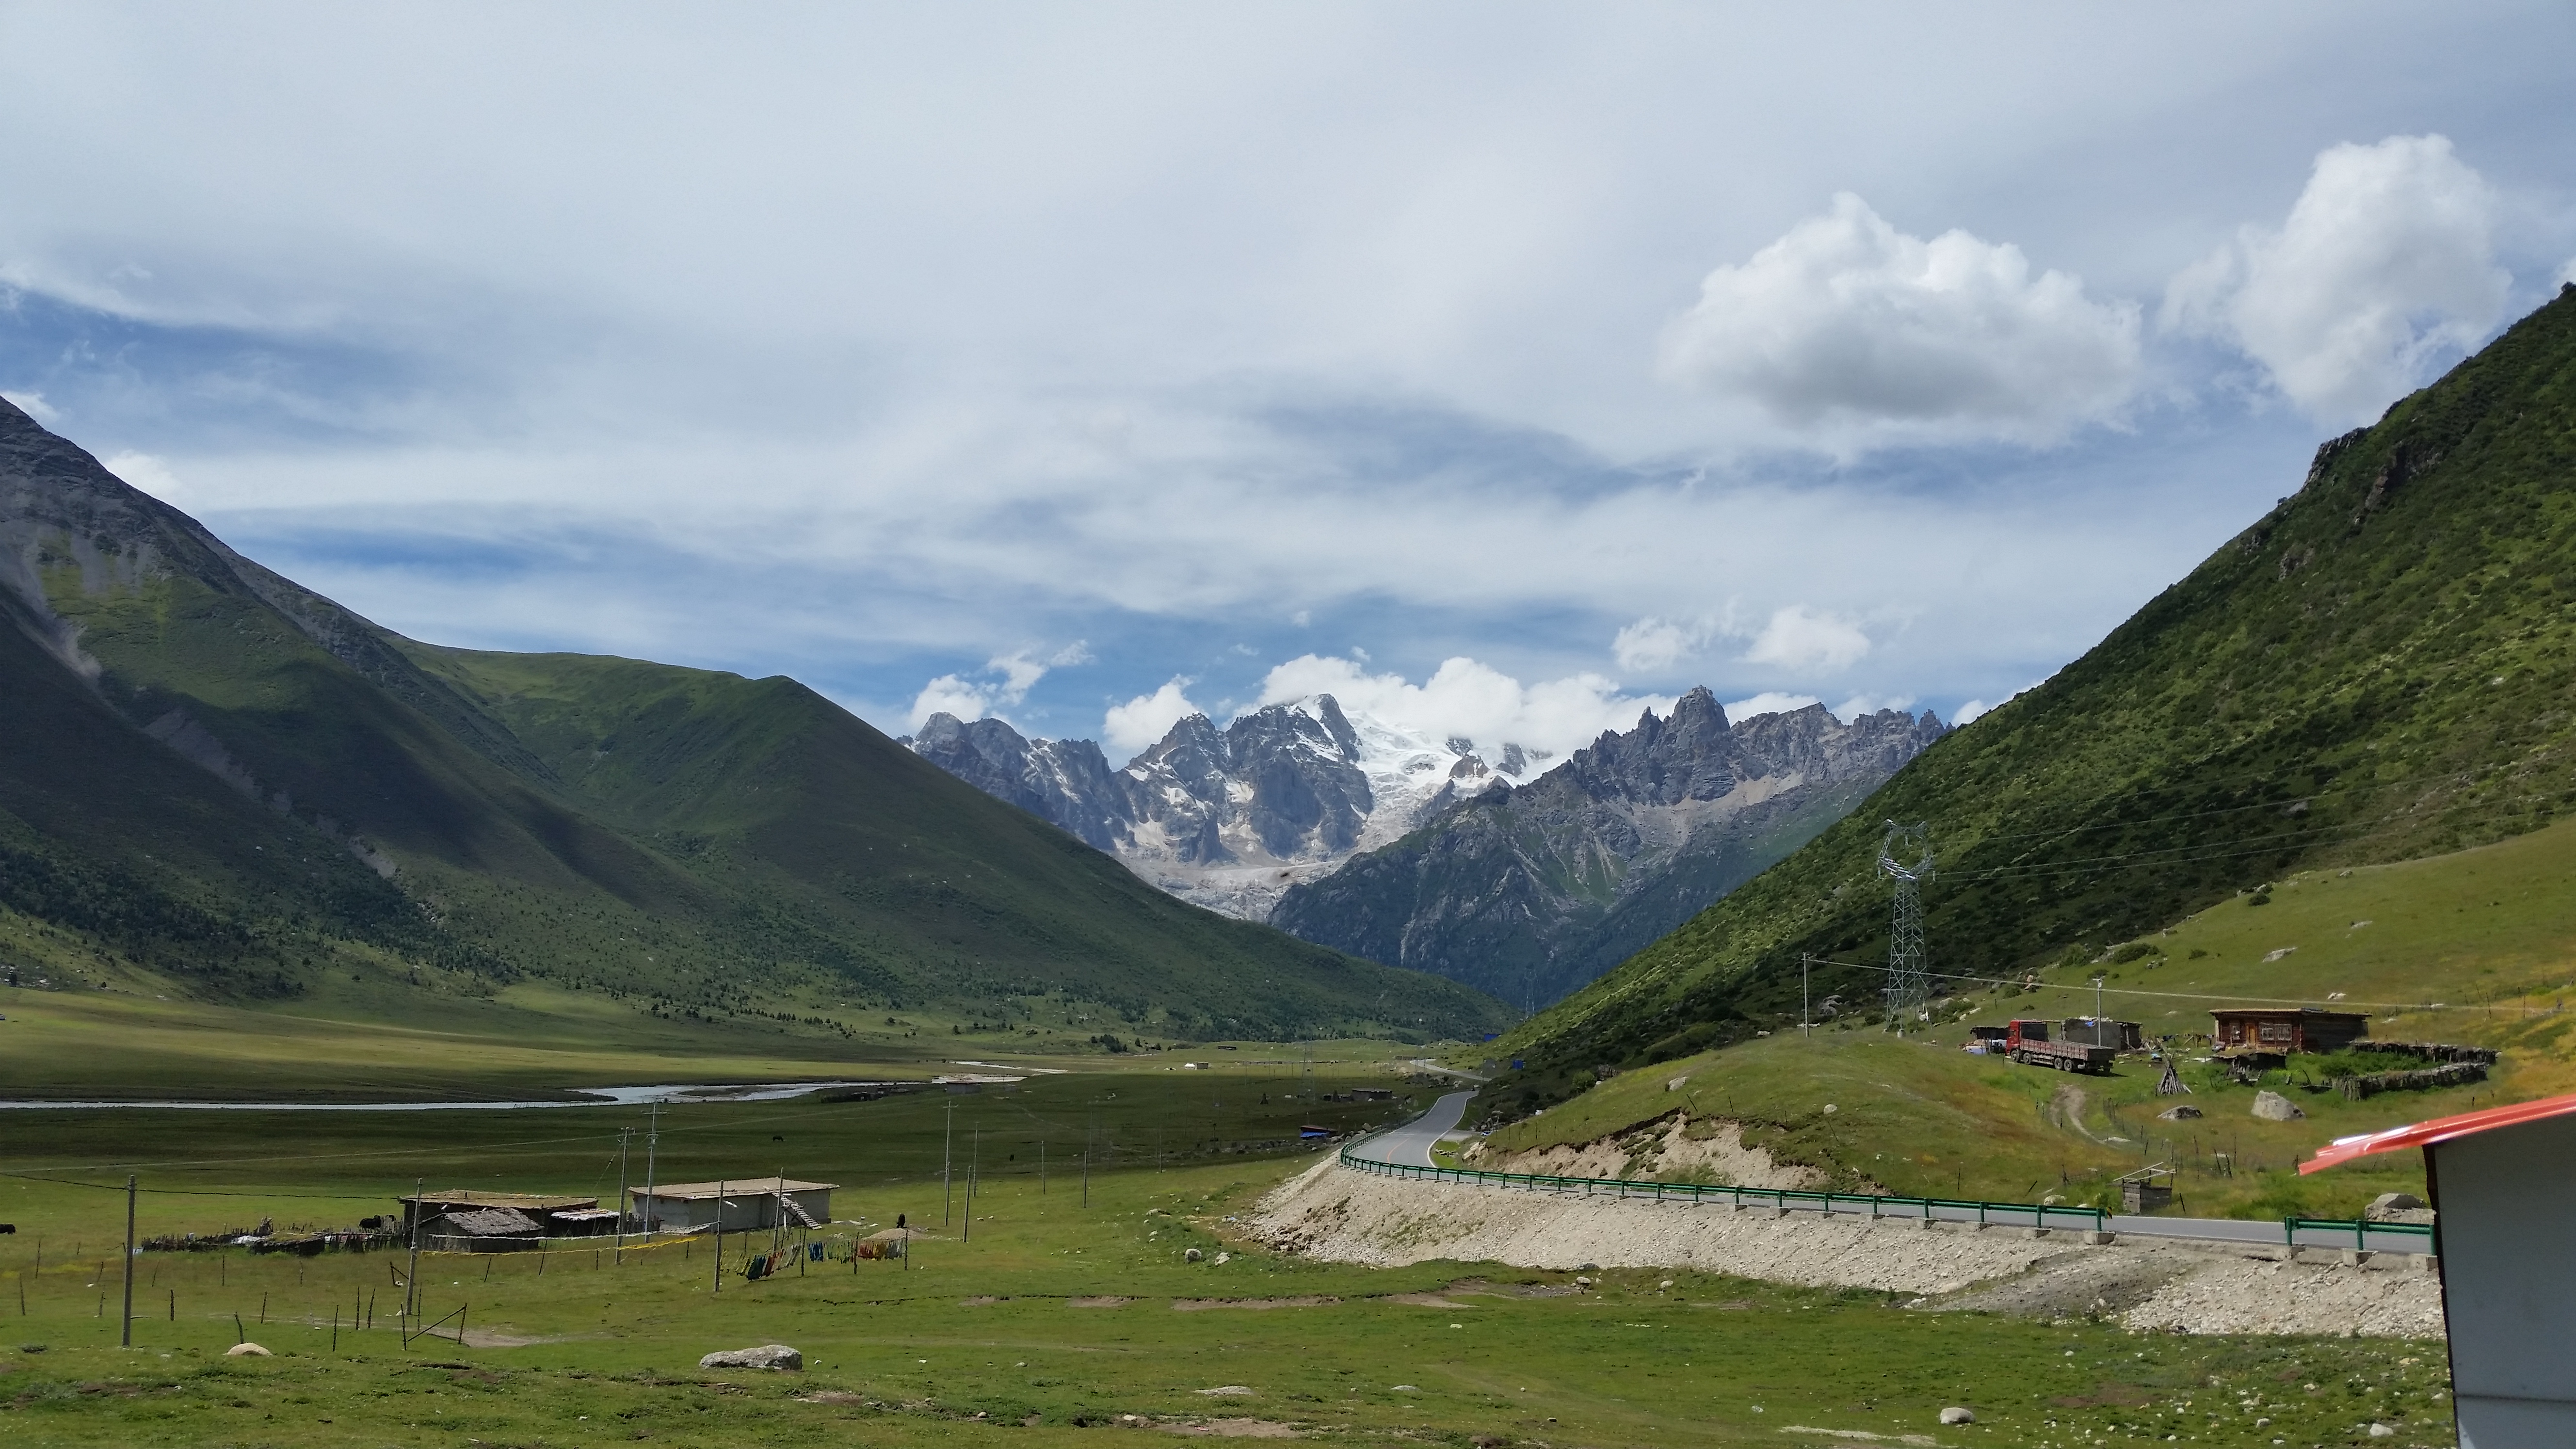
(2017, 1032)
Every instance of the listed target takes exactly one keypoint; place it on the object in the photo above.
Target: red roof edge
(2440, 1129)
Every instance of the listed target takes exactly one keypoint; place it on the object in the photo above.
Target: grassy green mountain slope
(2475, 946)
(2379, 669)
(222, 780)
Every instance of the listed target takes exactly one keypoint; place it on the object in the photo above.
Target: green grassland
(2476, 947)
(2381, 668)
(220, 786)
(999, 1332)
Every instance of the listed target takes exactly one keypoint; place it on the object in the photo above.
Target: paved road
(1410, 1146)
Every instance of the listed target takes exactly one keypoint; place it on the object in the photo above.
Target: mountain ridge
(2381, 667)
(342, 807)
(1532, 891)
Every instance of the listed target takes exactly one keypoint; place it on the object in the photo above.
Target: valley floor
(1053, 1303)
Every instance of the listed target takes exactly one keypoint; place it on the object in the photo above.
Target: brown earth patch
(1424, 1300)
(1097, 1302)
(1233, 1429)
(1194, 1305)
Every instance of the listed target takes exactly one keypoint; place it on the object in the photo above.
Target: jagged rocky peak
(1231, 817)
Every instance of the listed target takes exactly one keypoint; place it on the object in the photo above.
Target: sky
(1502, 369)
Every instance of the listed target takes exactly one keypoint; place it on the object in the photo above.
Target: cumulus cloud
(143, 471)
(1652, 645)
(1769, 701)
(1006, 680)
(1144, 720)
(1469, 699)
(1977, 707)
(1861, 704)
(2566, 275)
(33, 404)
(1846, 319)
(2385, 262)
(1808, 641)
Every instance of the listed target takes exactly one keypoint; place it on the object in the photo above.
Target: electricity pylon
(1909, 962)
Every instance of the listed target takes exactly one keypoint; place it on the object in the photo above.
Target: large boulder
(2273, 1107)
(767, 1356)
(2183, 1113)
(247, 1350)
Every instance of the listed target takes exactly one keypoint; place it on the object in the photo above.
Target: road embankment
(1337, 1213)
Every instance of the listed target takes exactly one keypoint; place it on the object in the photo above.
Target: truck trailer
(2027, 1042)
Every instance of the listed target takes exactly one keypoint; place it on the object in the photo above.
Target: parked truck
(2027, 1042)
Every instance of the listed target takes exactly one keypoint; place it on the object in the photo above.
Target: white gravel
(1346, 1215)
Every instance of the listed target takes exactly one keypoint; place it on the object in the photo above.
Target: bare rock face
(1530, 892)
(767, 1356)
(2183, 1113)
(2273, 1107)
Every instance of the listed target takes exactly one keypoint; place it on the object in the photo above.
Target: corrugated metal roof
(736, 1187)
(2440, 1129)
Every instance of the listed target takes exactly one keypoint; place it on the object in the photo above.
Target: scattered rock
(2183, 1113)
(1191, 1256)
(767, 1356)
(1956, 1414)
(1406, 1389)
(2382, 1431)
(2273, 1107)
(2388, 1204)
(1228, 1391)
(1222, 1257)
(247, 1350)
(1666, 1285)
(1582, 1282)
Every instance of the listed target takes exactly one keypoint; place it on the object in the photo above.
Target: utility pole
(652, 1137)
(623, 1133)
(411, 1273)
(1806, 1012)
(947, 1145)
(129, 1261)
(720, 1194)
(2097, 1008)
(1042, 1164)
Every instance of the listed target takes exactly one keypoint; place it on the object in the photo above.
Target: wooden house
(2281, 1030)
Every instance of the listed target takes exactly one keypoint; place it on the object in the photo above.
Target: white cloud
(1464, 697)
(1978, 707)
(145, 472)
(1652, 645)
(1140, 722)
(1847, 320)
(949, 694)
(2386, 262)
(1769, 701)
(33, 404)
(2567, 273)
(1808, 641)
(1016, 673)
(1861, 704)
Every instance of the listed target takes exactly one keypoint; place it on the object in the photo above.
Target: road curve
(1410, 1144)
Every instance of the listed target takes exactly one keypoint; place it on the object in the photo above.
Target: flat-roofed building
(735, 1204)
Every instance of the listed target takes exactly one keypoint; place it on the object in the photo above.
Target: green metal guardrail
(1784, 1198)
(2361, 1228)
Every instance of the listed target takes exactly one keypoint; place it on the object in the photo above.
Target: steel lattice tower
(1909, 961)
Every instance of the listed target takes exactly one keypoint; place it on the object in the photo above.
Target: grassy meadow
(1048, 1319)
(2476, 947)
